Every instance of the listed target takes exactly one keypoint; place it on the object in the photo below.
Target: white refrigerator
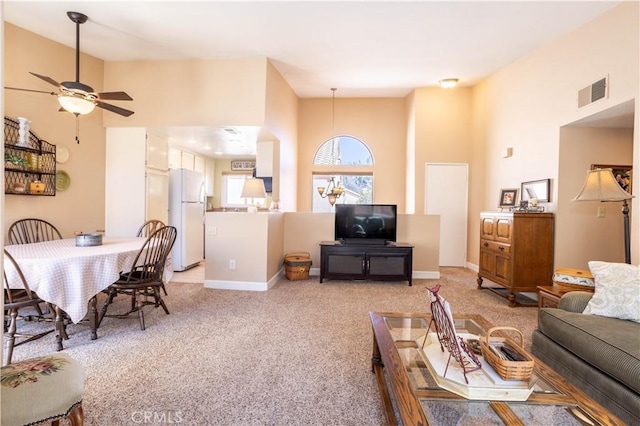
(186, 213)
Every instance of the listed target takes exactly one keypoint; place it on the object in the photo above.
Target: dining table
(70, 276)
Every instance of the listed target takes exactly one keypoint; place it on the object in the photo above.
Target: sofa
(598, 354)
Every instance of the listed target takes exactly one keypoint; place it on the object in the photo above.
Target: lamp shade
(600, 185)
(253, 188)
(76, 105)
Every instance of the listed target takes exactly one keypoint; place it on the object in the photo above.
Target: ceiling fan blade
(114, 96)
(30, 90)
(45, 78)
(113, 108)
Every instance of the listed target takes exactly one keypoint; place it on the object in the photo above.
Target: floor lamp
(602, 186)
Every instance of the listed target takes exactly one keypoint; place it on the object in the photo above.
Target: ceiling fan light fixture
(448, 83)
(76, 105)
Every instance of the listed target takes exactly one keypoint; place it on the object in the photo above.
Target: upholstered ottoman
(46, 388)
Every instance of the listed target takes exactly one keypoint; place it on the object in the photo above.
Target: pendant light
(334, 189)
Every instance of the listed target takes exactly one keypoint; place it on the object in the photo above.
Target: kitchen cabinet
(187, 160)
(198, 164)
(387, 262)
(134, 192)
(175, 158)
(516, 253)
(30, 165)
(157, 153)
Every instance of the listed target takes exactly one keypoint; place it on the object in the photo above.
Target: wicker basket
(508, 370)
(297, 265)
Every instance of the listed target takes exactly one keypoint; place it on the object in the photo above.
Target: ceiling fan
(76, 97)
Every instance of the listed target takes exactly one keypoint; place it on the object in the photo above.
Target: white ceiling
(363, 48)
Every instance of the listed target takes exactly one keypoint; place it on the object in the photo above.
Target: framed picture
(621, 173)
(243, 164)
(538, 189)
(508, 197)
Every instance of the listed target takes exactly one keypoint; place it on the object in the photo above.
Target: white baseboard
(243, 285)
(473, 267)
(426, 275)
(264, 286)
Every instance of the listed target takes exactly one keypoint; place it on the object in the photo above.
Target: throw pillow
(617, 291)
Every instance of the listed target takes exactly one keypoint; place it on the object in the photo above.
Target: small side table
(548, 297)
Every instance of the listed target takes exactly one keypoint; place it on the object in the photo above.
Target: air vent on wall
(593, 92)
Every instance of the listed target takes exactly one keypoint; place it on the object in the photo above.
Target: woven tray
(506, 369)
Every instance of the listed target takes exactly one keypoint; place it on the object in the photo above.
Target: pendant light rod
(333, 111)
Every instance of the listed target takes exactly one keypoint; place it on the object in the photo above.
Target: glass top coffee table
(411, 395)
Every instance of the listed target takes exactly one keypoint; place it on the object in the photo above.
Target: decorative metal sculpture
(445, 329)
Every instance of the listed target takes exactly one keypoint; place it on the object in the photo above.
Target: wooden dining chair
(25, 231)
(18, 297)
(149, 227)
(144, 278)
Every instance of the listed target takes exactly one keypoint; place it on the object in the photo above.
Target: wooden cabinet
(29, 165)
(548, 297)
(375, 262)
(516, 252)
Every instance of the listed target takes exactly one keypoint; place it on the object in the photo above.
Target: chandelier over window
(332, 191)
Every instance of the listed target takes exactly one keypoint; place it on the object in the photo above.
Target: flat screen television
(365, 223)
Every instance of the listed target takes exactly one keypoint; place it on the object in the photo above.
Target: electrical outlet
(232, 264)
(212, 230)
(600, 211)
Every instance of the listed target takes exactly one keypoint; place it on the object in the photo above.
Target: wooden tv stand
(388, 262)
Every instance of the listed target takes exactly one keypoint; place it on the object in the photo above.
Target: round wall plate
(62, 180)
(62, 154)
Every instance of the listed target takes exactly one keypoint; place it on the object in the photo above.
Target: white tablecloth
(69, 276)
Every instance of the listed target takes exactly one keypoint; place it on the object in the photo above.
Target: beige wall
(410, 174)
(253, 241)
(215, 92)
(282, 120)
(524, 105)
(442, 132)
(379, 123)
(304, 231)
(81, 207)
(580, 235)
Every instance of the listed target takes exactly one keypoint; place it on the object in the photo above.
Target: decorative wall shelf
(30, 164)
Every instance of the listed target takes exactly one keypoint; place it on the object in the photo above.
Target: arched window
(343, 151)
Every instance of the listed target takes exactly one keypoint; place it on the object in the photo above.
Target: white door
(446, 195)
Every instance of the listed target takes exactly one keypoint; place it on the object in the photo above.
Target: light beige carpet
(298, 354)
